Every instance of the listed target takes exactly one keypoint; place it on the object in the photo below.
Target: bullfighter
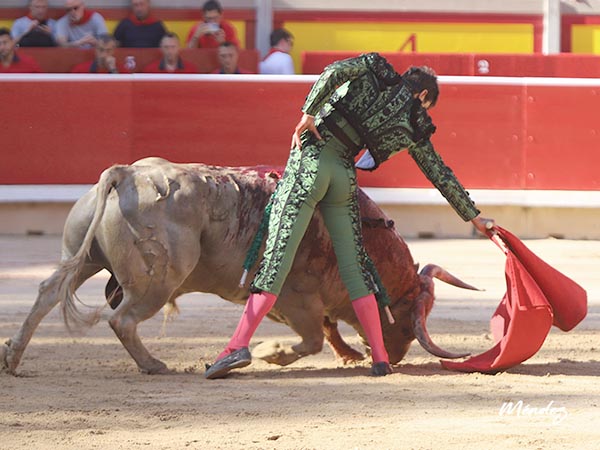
(356, 103)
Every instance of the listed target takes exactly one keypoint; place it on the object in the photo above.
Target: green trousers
(320, 174)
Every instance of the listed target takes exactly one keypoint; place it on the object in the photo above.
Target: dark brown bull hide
(165, 229)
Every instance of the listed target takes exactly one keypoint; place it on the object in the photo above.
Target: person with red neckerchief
(171, 61)
(10, 62)
(79, 27)
(140, 29)
(214, 30)
(104, 61)
(228, 56)
(278, 61)
(35, 29)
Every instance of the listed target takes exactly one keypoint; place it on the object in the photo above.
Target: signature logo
(520, 409)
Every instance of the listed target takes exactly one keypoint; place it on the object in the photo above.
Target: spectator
(228, 56)
(35, 29)
(171, 61)
(105, 61)
(10, 62)
(214, 30)
(79, 27)
(278, 60)
(140, 29)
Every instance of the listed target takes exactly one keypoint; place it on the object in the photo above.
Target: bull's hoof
(159, 368)
(351, 356)
(3, 361)
(8, 360)
(381, 369)
(275, 353)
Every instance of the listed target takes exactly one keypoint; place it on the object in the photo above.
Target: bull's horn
(433, 271)
(419, 318)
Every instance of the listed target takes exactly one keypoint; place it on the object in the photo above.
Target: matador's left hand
(306, 123)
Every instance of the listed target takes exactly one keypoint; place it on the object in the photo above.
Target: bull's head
(418, 310)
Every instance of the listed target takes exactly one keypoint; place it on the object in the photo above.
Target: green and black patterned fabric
(357, 103)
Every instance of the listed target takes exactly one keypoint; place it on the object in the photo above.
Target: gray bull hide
(164, 229)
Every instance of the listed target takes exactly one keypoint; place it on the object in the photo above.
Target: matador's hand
(306, 123)
(483, 225)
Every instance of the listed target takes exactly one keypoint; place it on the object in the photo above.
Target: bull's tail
(69, 272)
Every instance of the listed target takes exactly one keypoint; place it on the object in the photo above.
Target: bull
(163, 229)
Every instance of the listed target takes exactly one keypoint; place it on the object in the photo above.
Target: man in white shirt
(278, 61)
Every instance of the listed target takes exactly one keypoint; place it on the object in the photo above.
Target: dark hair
(420, 78)
(228, 44)
(106, 38)
(279, 34)
(4, 31)
(212, 5)
(170, 34)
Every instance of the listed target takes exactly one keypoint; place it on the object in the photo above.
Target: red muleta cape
(537, 297)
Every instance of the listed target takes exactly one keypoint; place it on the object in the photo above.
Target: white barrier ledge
(61, 193)
(42, 193)
(490, 197)
(306, 79)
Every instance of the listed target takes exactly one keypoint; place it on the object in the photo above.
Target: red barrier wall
(564, 65)
(62, 60)
(500, 134)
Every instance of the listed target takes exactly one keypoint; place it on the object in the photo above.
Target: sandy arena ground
(85, 392)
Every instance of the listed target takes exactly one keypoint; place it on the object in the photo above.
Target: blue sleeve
(53, 26)
(61, 28)
(19, 27)
(99, 25)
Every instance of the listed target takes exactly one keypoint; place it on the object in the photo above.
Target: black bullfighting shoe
(381, 369)
(235, 360)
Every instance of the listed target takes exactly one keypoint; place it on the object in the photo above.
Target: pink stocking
(368, 315)
(256, 309)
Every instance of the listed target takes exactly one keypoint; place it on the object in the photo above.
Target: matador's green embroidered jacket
(373, 99)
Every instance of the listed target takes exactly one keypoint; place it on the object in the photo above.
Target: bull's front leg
(304, 314)
(277, 353)
(342, 350)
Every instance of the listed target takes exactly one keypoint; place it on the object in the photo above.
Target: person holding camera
(35, 29)
(214, 30)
